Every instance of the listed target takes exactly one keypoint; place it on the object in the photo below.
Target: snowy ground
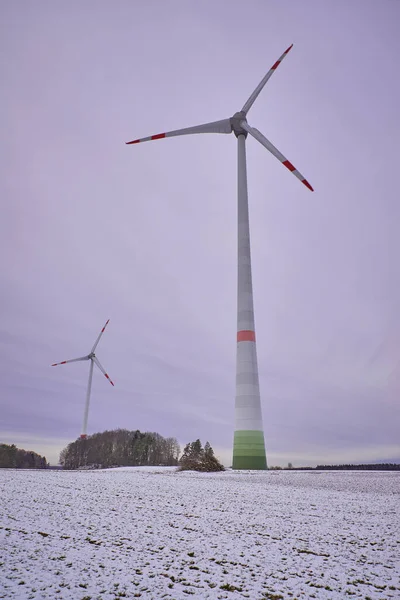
(137, 533)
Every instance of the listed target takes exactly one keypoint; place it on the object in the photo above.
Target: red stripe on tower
(246, 335)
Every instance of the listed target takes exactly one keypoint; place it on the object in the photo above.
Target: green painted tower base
(249, 450)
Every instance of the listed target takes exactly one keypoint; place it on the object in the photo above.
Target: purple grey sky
(145, 235)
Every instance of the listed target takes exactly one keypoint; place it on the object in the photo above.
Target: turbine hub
(91, 355)
(236, 121)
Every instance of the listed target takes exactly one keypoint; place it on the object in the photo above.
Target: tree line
(348, 467)
(12, 457)
(374, 467)
(121, 448)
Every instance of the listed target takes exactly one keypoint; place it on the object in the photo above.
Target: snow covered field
(156, 533)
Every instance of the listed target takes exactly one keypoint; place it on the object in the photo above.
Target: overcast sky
(92, 229)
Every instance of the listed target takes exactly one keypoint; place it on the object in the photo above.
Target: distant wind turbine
(248, 445)
(93, 361)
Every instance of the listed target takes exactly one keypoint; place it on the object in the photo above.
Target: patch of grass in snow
(305, 551)
(269, 596)
(231, 588)
(357, 581)
(43, 533)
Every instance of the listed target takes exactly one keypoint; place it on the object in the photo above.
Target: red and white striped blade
(262, 83)
(96, 360)
(223, 126)
(64, 362)
(267, 144)
(99, 336)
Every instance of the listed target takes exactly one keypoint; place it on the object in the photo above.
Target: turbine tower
(248, 444)
(93, 361)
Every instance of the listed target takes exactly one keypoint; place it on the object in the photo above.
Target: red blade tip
(308, 185)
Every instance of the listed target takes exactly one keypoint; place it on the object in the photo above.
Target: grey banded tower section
(248, 448)
(248, 442)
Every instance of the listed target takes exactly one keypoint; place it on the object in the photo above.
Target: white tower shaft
(89, 388)
(248, 445)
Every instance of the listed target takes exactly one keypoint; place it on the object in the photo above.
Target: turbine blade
(96, 360)
(99, 336)
(260, 86)
(64, 362)
(267, 144)
(223, 126)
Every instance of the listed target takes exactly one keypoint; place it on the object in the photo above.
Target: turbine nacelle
(237, 123)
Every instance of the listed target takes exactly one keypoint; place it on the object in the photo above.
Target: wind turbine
(93, 361)
(248, 444)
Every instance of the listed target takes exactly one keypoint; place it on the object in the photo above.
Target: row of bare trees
(120, 447)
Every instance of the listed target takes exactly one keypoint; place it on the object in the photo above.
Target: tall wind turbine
(248, 445)
(93, 361)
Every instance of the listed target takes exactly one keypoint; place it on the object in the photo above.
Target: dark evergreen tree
(211, 463)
